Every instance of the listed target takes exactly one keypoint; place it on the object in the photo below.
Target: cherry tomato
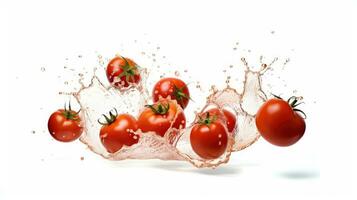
(173, 87)
(121, 72)
(209, 137)
(161, 116)
(118, 130)
(226, 116)
(279, 122)
(64, 125)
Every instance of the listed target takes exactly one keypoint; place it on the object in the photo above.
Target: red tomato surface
(121, 72)
(209, 138)
(173, 87)
(163, 118)
(119, 131)
(64, 125)
(279, 123)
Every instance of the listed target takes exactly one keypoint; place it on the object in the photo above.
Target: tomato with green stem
(65, 124)
(122, 72)
(117, 131)
(161, 116)
(173, 87)
(279, 122)
(228, 117)
(209, 137)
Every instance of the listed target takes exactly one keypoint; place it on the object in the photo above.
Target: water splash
(96, 98)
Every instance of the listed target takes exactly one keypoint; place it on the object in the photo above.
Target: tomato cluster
(277, 120)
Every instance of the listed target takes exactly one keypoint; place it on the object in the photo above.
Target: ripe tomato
(279, 123)
(209, 137)
(64, 125)
(161, 116)
(118, 131)
(173, 87)
(225, 115)
(121, 72)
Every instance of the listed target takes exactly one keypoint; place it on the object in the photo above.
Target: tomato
(209, 137)
(225, 115)
(173, 87)
(64, 125)
(161, 116)
(118, 131)
(121, 72)
(279, 122)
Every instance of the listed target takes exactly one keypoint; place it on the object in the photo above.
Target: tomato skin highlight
(63, 129)
(209, 141)
(118, 133)
(116, 67)
(279, 124)
(225, 115)
(173, 87)
(160, 123)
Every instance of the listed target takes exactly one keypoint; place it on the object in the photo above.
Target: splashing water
(96, 98)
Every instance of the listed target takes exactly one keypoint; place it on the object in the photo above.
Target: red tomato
(173, 87)
(118, 131)
(209, 138)
(227, 116)
(161, 116)
(64, 125)
(121, 72)
(279, 123)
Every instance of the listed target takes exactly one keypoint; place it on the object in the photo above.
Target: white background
(318, 36)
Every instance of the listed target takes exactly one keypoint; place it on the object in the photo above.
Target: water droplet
(43, 69)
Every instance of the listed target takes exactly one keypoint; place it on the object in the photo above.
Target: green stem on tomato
(109, 120)
(160, 109)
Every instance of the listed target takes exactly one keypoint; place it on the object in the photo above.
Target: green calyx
(109, 120)
(207, 120)
(128, 71)
(159, 109)
(179, 94)
(293, 101)
(69, 113)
